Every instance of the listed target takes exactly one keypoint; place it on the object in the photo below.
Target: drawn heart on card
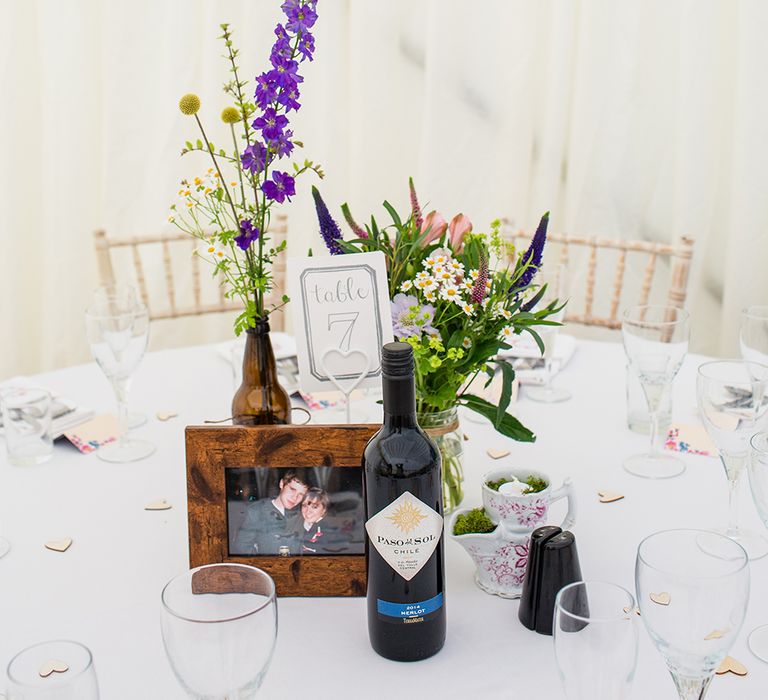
(52, 666)
(350, 385)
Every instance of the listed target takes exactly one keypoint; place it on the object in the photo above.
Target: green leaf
(222, 152)
(507, 377)
(508, 426)
(199, 143)
(393, 214)
(536, 337)
(189, 145)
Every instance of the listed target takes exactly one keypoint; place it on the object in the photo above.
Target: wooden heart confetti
(162, 504)
(497, 454)
(609, 496)
(661, 598)
(52, 666)
(730, 665)
(715, 634)
(166, 415)
(628, 610)
(59, 545)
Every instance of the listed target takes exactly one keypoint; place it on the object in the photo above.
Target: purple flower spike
(281, 187)
(532, 256)
(415, 208)
(329, 229)
(248, 234)
(479, 288)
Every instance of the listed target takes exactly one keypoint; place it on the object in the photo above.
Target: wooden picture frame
(212, 451)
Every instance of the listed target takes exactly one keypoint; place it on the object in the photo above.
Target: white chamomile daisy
(466, 343)
(441, 259)
(473, 274)
(427, 284)
(507, 333)
(467, 284)
(488, 284)
(450, 292)
(467, 308)
(406, 286)
(456, 267)
(506, 314)
(444, 276)
(484, 303)
(423, 275)
(429, 262)
(214, 251)
(430, 296)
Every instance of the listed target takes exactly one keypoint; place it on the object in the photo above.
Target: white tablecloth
(105, 591)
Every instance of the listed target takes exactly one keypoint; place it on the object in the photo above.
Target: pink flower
(436, 224)
(460, 225)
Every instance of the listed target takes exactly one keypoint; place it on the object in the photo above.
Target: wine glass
(656, 342)
(219, 626)
(121, 295)
(758, 480)
(733, 400)
(753, 334)
(693, 590)
(555, 278)
(118, 330)
(59, 669)
(595, 635)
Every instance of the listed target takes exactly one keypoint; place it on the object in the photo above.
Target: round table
(105, 590)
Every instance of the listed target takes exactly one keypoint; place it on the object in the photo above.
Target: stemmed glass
(693, 590)
(118, 330)
(733, 399)
(555, 278)
(758, 480)
(595, 635)
(219, 626)
(656, 342)
(126, 296)
(753, 334)
(59, 669)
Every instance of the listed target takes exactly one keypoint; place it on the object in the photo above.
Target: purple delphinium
(271, 124)
(282, 145)
(289, 98)
(281, 187)
(532, 256)
(301, 16)
(248, 234)
(329, 229)
(254, 157)
(306, 46)
(409, 318)
(418, 220)
(479, 288)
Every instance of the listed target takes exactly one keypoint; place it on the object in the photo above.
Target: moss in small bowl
(535, 484)
(474, 521)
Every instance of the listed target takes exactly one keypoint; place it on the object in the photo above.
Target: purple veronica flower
(282, 146)
(281, 187)
(409, 318)
(418, 219)
(254, 157)
(306, 46)
(532, 256)
(266, 90)
(479, 288)
(285, 72)
(288, 97)
(271, 124)
(301, 16)
(329, 229)
(248, 234)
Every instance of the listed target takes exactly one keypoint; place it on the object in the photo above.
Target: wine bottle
(404, 523)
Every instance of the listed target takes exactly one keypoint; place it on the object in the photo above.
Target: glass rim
(138, 310)
(735, 361)
(23, 684)
(749, 313)
(622, 616)
(272, 597)
(763, 434)
(684, 315)
(744, 561)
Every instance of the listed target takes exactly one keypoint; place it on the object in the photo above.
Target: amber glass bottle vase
(260, 400)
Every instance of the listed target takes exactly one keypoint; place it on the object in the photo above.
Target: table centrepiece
(229, 207)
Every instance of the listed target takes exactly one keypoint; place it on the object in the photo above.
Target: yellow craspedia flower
(230, 115)
(189, 104)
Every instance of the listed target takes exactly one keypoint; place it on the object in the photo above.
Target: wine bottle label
(409, 613)
(405, 533)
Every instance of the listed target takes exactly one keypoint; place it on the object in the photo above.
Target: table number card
(341, 318)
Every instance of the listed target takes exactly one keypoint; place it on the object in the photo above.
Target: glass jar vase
(443, 428)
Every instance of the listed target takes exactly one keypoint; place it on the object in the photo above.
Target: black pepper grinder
(553, 562)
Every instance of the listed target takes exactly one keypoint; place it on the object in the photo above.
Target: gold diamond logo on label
(405, 534)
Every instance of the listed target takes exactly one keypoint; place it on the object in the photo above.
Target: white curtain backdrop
(643, 120)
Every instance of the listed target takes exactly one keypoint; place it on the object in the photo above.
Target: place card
(89, 436)
(341, 318)
(691, 439)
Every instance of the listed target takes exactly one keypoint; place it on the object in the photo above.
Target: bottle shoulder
(401, 451)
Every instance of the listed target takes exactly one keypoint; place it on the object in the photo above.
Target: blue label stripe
(408, 610)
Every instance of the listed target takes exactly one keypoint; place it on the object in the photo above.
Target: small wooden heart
(166, 415)
(730, 665)
(661, 598)
(609, 496)
(162, 504)
(52, 666)
(715, 634)
(628, 610)
(497, 454)
(59, 545)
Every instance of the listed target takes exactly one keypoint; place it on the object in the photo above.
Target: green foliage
(535, 484)
(474, 521)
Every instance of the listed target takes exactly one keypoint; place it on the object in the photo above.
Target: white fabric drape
(624, 118)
